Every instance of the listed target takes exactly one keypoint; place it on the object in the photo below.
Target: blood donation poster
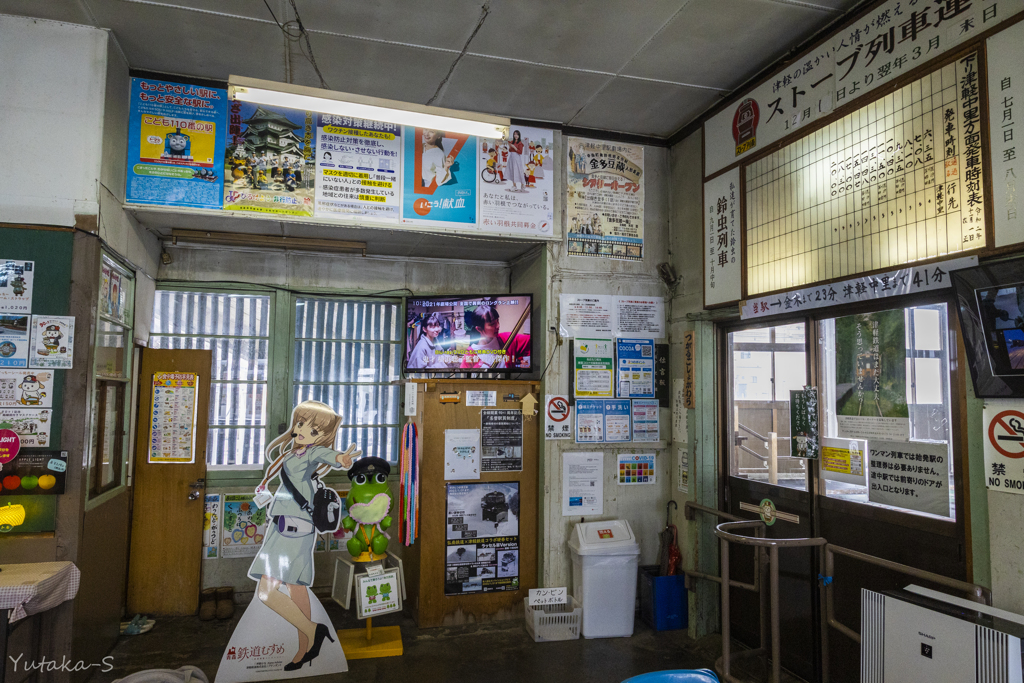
(439, 184)
(517, 188)
(269, 160)
(175, 144)
(482, 546)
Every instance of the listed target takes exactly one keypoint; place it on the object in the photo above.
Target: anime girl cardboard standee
(285, 632)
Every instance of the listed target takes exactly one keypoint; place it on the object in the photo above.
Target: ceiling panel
(588, 34)
(644, 107)
(722, 43)
(70, 11)
(197, 44)
(440, 23)
(519, 90)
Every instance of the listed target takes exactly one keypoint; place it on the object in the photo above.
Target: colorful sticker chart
(894, 182)
(637, 468)
(173, 417)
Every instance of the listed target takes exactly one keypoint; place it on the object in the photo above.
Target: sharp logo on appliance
(926, 650)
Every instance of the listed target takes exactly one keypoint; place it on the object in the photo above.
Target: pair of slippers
(217, 603)
(137, 626)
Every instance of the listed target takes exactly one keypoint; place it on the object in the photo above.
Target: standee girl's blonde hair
(324, 420)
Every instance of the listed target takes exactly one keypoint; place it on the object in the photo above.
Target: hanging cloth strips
(409, 494)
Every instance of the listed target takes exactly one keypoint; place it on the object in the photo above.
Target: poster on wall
(1005, 111)
(635, 368)
(517, 182)
(14, 341)
(244, 526)
(211, 525)
(582, 484)
(501, 435)
(439, 180)
(871, 376)
(117, 293)
(593, 374)
(269, 161)
(586, 315)
(173, 417)
(844, 460)
(637, 468)
(378, 594)
(461, 454)
(646, 427)
(803, 423)
(482, 546)
(605, 199)
(175, 144)
(26, 388)
(640, 316)
(16, 286)
(910, 474)
(605, 420)
(32, 426)
(35, 473)
(53, 342)
(358, 169)
(723, 275)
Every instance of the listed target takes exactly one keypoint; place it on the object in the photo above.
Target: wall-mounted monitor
(990, 302)
(464, 334)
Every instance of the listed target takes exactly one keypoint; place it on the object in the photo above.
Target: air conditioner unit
(920, 635)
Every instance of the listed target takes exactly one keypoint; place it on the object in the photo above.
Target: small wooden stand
(365, 643)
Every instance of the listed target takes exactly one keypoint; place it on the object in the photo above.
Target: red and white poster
(1004, 445)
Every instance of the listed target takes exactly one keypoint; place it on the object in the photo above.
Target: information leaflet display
(645, 420)
(594, 367)
(501, 435)
(635, 363)
(482, 546)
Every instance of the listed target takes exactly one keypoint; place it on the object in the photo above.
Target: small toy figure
(18, 285)
(371, 594)
(385, 591)
(369, 502)
(31, 391)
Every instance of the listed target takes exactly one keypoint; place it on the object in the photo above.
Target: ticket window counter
(887, 481)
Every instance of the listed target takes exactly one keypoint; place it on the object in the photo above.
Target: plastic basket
(553, 622)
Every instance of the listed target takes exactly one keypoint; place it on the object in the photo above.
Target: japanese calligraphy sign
(800, 93)
(547, 596)
(803, 421)
(898, 282)
(358, 168)
(605, 199)
(1005, 108)
(899, 35)
(722, 262)
(894, 182)
(175, 144)
(913, 475)
(688, 379)
(1004, 445)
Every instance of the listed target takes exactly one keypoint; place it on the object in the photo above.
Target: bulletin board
(425, 562)
(896, 181)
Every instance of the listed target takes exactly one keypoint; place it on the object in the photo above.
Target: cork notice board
(425, 560)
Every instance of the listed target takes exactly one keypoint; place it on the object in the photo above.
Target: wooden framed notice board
(476, 556)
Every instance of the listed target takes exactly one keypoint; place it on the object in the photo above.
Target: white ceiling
(645, 67)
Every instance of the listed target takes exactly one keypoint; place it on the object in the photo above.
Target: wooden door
(164, 570)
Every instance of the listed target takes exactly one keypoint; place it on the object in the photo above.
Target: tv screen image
(1002, 318)
(469, 334)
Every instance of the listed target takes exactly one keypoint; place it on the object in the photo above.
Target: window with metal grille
(236, 327)
(347, 354)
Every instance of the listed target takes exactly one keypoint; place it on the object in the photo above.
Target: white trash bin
(605, 556)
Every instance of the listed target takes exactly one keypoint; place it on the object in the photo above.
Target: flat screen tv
(990, 303)
(466, 334)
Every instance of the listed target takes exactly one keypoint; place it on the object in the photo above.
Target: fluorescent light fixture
(360, 107)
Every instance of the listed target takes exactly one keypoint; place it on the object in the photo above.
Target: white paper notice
(909, 474)
(587, 315)
(640, 316)
(682, 470)
(582, 484)
(461, 454)
(410, 399)
(679, 414)
(482, 399)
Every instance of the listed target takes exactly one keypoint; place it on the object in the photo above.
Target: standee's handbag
(326, 509)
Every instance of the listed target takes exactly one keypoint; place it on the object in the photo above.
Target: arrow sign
(529, 405)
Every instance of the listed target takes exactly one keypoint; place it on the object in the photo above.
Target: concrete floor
(486, 653)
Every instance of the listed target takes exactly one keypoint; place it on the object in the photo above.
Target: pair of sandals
(137, 626)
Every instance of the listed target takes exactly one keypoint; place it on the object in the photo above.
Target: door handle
(194, 495)
(196, 486)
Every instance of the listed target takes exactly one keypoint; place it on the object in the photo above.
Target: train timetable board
(897, 181)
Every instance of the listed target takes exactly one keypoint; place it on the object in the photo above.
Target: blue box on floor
(663, 601)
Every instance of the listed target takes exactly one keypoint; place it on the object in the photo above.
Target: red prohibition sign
(1010, 439)
(558, 410)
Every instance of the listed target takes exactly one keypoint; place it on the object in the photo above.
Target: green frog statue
(369, 502)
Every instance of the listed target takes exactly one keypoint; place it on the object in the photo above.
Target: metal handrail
(974, 592)
(688, 509)
(725, 532)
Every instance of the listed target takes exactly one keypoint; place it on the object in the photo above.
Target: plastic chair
(676, 676)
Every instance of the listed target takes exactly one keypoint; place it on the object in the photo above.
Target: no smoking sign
(556, 417)
(1004, 446)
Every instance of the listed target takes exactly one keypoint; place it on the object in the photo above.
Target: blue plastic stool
(675, 676)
